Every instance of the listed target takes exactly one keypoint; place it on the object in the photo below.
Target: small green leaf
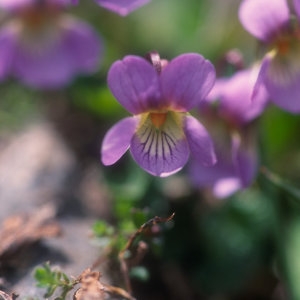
(101, 228)
(52, 280)
(43, 276)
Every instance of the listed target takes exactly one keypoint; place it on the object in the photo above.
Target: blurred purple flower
(161, 134)
(121, 7)
(227, 113)
(44, 48)
(270, 21)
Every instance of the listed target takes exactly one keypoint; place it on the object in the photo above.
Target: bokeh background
(244, 247)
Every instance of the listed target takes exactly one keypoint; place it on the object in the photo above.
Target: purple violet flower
(270, 21)
(45, 48)
(161, 134)
(227, 113)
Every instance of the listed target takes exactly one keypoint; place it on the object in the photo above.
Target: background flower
(226, 113)
(44, 48)
(271, 22)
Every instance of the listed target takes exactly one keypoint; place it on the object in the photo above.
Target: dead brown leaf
(4, 296)
(22, 230)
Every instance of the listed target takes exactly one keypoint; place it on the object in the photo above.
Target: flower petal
(54, 60)
(186, 80)
(46, 69)
(122, 7)
(225, 187)
(222, 178)
(9, 4)
(282, 79)
(200, 142)
(161, 152)
(244, 154)
(233, 96)
(297, 7)
(117, 140)
(8, 39)
(259, 84)
(264, 19)
(83, 44)
(135, 84)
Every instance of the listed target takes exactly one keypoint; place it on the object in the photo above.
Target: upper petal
(264, 18)
(200, 142)
(82, 43)
(122, 7)
(161, 152)
(135, 84)
(117, 140)
(234, 96)
(186, 80)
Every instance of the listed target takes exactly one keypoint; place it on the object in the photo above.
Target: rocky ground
(49, 202)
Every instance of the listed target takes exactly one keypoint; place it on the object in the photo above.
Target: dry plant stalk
(19, 231)
(91, 286)
(141, 248)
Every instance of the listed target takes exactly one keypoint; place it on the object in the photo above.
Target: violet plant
(161, 134)
(277, 28)
(45, 48)
(228, 112)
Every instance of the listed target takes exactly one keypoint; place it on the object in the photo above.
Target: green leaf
(44, 276)
(101, 228)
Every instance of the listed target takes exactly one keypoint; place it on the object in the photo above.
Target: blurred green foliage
(51, 279)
